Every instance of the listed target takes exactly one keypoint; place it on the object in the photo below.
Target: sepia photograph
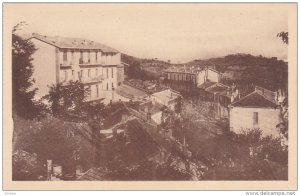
(150, 93)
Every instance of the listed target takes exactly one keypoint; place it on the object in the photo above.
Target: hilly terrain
(243, 69)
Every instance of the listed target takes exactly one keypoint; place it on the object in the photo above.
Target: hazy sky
(179, 32)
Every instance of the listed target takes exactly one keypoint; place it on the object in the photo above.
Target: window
(72, 57)
(106, 72)
(66, 75)
(89, 73)
(112, 86)
(96, 57)
(81, 57)
(97, 90)
(72, 72)
(81, 74)
(96, 72)
(112, 72)
(106, 86)
(255, 119)
(89, 57)
(65, 57)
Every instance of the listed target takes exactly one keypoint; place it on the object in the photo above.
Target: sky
(176, 32)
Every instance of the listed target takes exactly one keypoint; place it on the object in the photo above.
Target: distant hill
(269, 73)
(144, 68)
(131, 60)
(248, 69)
(143, 61)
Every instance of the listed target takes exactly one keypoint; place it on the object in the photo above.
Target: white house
(166, 97)
(63, 59)
(208, 75)
(255, 110)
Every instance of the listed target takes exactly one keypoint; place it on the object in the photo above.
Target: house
(182, 74)
(166, 97)
(258, 109)
(208, 75)
(120, 74)
(153, 111)
(188, 78)
(64, 59)
(220, 94)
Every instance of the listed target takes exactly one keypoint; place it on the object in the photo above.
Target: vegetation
(49, 139)
(69, 101)
(246, 70)
(145, 69)
(22, 82)
(284, 36)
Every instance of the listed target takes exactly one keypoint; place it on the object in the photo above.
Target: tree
(178, 105)
(284, 36)
(283, 126)
(67, 98)
(22, 69)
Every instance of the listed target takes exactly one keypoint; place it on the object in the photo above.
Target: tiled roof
(73, 43)
(254, 99)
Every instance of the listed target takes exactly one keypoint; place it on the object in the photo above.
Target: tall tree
(22, 81)
(67, 98)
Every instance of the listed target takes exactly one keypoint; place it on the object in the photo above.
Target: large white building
(195, 75)
(61, 59)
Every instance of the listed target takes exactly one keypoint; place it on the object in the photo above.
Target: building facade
(60, 60)
(256, 110)
(168, 98)
(195, 75)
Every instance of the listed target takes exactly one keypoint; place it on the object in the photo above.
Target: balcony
(89, 80)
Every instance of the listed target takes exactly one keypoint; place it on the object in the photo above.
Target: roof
(213, 70)
(254, 99)
(184, 69)
(166, 95)
(153, 108)
(73, 43)
(218, 89)
(206, 84)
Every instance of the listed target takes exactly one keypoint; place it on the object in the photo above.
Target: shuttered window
(255, 118)
(65, 59)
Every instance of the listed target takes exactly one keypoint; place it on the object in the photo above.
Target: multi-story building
(195, 75)
(183, 74)
(60, 60)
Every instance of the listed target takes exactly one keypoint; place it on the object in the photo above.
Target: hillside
(244, 69)
(144, 68)
(247, 69)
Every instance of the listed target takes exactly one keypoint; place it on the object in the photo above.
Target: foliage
(24, 166)
(134, 69)
(284, 36)
(22, 70)
(246, 69)
(69, 101)
(51, 139)
(249, 156)
(178, 105)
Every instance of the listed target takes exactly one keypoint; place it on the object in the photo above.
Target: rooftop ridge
(74, 43)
